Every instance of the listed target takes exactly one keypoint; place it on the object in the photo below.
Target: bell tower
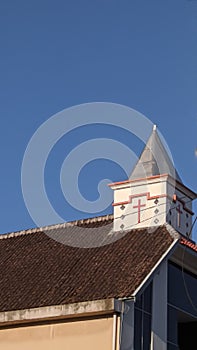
(154, 193)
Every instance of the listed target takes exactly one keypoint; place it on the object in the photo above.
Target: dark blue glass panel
(138, 330)
(147, 332)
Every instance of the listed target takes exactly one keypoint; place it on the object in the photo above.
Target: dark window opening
(182, 301)
(143, 316)
(187, 335)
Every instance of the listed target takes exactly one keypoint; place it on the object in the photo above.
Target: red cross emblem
(139, 206)
(179, 212)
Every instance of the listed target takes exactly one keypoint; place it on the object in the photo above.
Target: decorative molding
(178, 199)
(148, 197)
(188, 243)
(135, 180)
(173, 198)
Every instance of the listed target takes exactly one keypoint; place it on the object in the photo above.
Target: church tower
(154, 193)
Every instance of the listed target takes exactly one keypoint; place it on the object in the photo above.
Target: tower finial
(154, 127)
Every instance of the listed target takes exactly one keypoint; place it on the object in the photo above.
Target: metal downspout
(114, 336)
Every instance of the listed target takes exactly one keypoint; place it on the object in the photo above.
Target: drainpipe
(114, 336)
(126, 342)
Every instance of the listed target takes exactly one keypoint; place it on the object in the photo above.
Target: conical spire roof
(154, 160)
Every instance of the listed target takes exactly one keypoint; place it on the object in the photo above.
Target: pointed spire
(154, 159)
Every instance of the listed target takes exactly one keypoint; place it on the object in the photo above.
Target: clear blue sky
(55, 54)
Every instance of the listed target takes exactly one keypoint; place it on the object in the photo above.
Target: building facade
(135, 288)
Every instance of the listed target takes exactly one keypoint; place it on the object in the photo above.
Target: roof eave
(157, 266)
(59, 312)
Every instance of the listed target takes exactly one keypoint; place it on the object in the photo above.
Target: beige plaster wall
(85, 334)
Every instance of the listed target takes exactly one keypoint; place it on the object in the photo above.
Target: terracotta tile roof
(39, 271)
(188, 243)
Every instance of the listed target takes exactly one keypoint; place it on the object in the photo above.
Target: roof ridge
(173, 233)
(56, 226)
(189, 243)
